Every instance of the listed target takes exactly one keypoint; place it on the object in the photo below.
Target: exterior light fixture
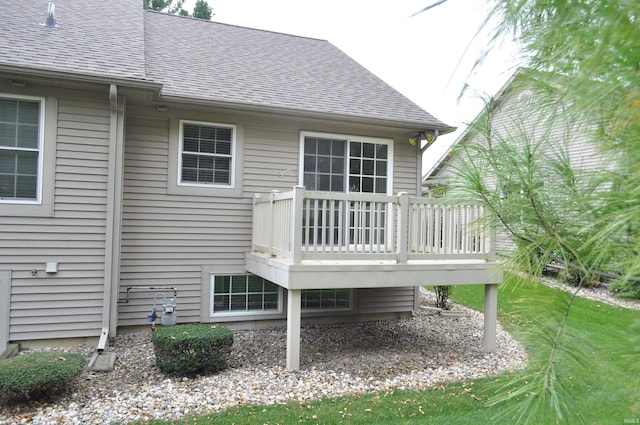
(427, 136)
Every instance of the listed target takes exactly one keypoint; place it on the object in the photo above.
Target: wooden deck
(314, 240)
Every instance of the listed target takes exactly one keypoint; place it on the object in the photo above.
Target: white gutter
(112, 222)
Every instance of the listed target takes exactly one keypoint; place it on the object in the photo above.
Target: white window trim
(250, 313)
(43, 206)
(232, 166)
(176, 187)
(319, 310)
(349, 138)
(41, 125)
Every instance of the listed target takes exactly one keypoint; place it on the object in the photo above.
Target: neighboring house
(132, 147)
(509, 117)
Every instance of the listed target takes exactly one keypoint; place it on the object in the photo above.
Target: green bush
(625, 289)
(38, 375)
(192, 349)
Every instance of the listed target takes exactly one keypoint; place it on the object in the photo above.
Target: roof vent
(51, 16)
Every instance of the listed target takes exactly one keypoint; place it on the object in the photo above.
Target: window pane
(270, 287)
(221, 303)
(309, 163)
(7, 185)
(207, 146)
(368, 167)
(381, 185)
(8, 161)
(270, 301)
(382, 151)
(337, 165)
(205, 176)
(381, 168)
(26, 187)
(223, 148)
(324, 164)
(310, 181)
(368, 150)
(324, 182)
(337, 184)
(27, 163)
(254, 302)
(354, 184)
(355, 149)
(310, 145)
(222, 284)
(29, 112)
(367, 185)
(8, 134)
(8, 110)
(337, 148)
(238, 302)
(238, 285)
(324, 147)
(354, 166)
(255, 283)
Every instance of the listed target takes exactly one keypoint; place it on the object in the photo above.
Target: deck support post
(294, 298)
(490, 317)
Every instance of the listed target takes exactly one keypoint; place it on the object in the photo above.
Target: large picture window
(21, 134)
(206, 154)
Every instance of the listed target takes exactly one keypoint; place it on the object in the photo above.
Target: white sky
(423, 57)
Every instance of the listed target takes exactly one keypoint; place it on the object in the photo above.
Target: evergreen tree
(202, 10)
(585, 58)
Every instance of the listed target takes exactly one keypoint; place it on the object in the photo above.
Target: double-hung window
(21, 136)
(207, 154)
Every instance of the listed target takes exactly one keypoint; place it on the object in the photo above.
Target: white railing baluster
(317, 225)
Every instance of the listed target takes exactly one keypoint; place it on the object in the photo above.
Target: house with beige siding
(509, 117)
(258, 177)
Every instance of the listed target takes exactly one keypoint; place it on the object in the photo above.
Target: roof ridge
(237, 26)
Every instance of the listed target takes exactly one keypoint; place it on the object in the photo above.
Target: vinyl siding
(385, 300)
(69, 302)
(508, 122)
(169, 238)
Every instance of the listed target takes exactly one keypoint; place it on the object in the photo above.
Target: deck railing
(306, 225)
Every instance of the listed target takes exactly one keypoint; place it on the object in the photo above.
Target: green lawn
(598, 369)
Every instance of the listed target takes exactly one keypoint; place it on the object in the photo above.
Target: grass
(598, 370)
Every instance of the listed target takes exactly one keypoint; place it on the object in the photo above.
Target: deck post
(293, 328)
(403, 227)
(296, 234)
(490, 317)
(271, 219)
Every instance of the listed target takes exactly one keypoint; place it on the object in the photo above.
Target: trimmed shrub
(192, 349)
(38, 375)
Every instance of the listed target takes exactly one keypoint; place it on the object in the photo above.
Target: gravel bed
(597, 293)
(409, 353)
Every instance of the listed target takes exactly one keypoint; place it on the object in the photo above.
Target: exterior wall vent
(51, 16)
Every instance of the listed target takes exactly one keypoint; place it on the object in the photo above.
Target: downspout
(113, 219)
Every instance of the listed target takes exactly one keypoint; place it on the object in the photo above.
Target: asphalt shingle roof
(92, 37)
(198, 59)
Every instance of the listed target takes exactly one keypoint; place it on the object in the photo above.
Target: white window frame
(349, 139)
(233, 155)
(41, 127)
(313, 310)
(226, 314)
